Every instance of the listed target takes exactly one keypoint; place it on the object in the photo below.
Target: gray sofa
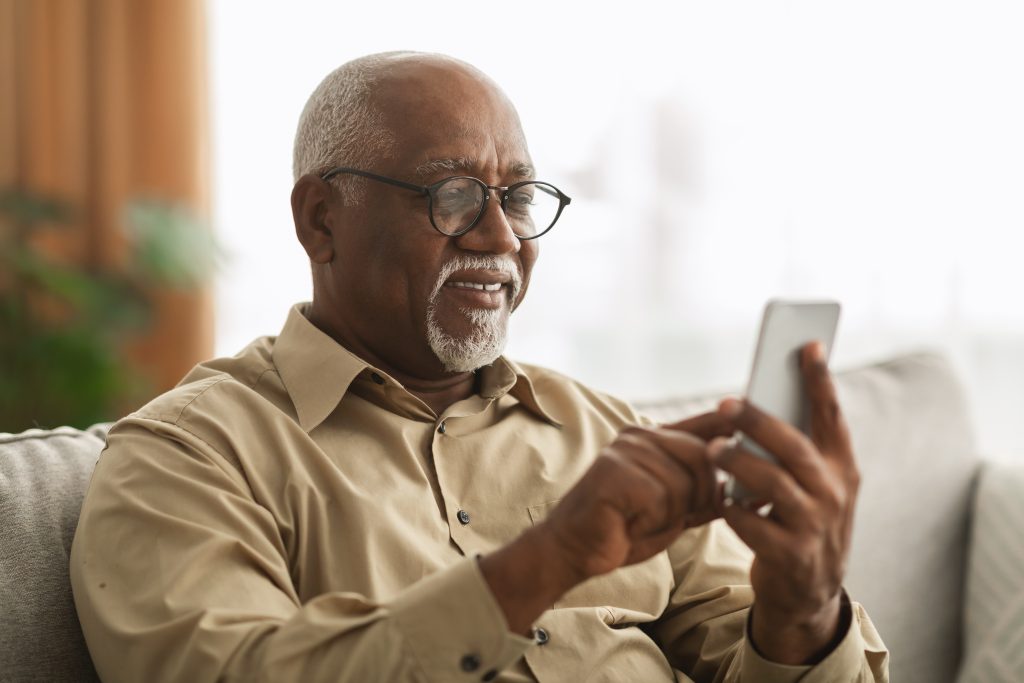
(909, 565)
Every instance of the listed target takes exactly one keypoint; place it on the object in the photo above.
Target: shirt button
(470, 663)
(377, 378)
(441, 427)
(463, 516)
(541, 636)
(490, 675)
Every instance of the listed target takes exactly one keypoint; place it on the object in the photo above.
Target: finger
(643, 502)
(768, 540)
(711, 513)
(674, 483)
(828, 426)
(644, 548)
(705, 426)
(691, 453)
(789, 445)
(680, 453)
(766, 482)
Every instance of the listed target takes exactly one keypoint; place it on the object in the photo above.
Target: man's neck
(441, 395)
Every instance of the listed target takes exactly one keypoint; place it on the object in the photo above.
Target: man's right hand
(644, 489)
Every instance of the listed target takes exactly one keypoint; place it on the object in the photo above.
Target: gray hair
(340, 125)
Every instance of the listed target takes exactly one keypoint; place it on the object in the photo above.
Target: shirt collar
(504, 376)
(317, 371)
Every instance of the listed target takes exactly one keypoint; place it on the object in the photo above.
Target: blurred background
(718, 155)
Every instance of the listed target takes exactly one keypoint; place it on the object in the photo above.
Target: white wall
(718, 154)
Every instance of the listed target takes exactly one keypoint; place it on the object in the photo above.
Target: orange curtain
(101, 102)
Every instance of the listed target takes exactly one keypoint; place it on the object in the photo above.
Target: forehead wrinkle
(520, 169)
(431, 167)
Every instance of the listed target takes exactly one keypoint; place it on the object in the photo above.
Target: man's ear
(310, 210)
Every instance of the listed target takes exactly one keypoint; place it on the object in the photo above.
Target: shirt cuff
(454, 627)
(843, 663)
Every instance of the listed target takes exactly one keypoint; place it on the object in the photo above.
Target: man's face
(424, 302)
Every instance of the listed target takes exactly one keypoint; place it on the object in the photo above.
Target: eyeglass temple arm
(554, 192)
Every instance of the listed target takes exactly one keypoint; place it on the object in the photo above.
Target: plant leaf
(172, 246)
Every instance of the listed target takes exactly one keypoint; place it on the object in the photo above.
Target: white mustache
(505, 266)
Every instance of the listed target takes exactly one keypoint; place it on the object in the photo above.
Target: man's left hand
(801, 546)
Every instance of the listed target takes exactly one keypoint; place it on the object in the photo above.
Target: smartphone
(776, 384)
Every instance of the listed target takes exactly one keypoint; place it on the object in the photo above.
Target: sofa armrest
(994, 609)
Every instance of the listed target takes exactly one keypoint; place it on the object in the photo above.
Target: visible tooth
(476, 285)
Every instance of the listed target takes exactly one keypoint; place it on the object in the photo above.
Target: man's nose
(492, 234)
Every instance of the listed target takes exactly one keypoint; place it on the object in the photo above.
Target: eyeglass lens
(530, 208)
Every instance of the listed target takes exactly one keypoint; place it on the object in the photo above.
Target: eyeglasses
(457, 203)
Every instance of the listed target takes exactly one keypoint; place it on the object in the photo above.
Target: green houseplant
(64, 327)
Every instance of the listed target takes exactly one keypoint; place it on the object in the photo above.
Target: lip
(476, 298)
(480, 277)
(466, 297)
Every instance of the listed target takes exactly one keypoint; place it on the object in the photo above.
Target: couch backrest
(910, 428)
(915, 446)
(43, 477)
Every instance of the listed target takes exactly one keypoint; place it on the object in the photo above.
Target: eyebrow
(520, 169)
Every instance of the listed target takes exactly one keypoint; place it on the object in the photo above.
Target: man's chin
(475, 338)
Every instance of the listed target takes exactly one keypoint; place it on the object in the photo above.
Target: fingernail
(730, 408)
(818, 351)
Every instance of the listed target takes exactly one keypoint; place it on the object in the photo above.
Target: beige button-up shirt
(294, 514)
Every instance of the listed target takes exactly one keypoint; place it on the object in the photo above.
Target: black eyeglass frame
(563, 199)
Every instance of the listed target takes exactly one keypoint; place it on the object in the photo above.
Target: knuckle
(832, 412)
(805, 445)
(804, 563)
(853, 477)
(815, 524)
(834, 499)
(607, 463)
(804, 456)
(657, 497)
(629, 441)
(632, 431)
(778, 489)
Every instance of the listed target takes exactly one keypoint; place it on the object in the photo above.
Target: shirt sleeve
(179, 574)
(704, 630)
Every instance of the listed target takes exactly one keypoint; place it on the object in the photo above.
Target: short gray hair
(341, 126)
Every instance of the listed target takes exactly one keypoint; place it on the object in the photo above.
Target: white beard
(465, 354)
(490, 326)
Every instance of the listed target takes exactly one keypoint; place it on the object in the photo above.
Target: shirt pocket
(641, 588)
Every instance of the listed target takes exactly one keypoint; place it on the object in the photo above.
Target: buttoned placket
(446, 438)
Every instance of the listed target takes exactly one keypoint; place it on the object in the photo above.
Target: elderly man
(377, 494)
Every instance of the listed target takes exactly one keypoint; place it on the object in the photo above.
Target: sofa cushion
(43, 477)
(911, 432)
(995, 579)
